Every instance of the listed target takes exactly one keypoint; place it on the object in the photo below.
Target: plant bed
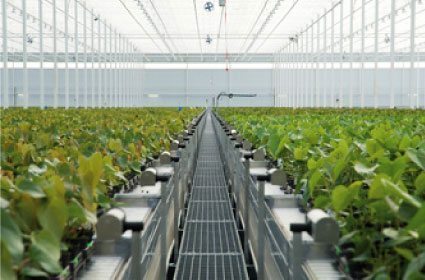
(367, 167)
(59, 168)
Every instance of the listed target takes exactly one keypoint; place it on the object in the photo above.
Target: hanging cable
(226, 46)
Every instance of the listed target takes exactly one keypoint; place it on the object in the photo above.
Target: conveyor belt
(210, 248)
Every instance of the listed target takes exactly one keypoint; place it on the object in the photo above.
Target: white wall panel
(160, 87)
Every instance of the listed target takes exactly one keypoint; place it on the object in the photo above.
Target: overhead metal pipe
(232, 95)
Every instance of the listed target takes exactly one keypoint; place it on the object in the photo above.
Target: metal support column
(376, 46)
(115, 69)
(24, 54)
(351, 52)
(99, 68)
(362, 90)
(93, 76)
(413, 94)
(332, 104)
(85, 56)
(55, 58)
(341, 53)
(318, 74)
(297, 72)
(392, 56)
(5, 57)
(313, 70)
(325, 61)
(120, 71)
(308, 68)
(105, 61)
(76, 53)
(66, 37)
(41, 49)
(110, 69)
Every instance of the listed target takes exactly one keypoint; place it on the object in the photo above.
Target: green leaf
(300, 153)
(342, 196)
(417, 156)
(26, 209)
(394, 168)
(120, 176)
(135, 166)
(6, 272)
(395, 190)
(420, 184)
(383, 186)
(11, 236)
(321, 201)
(45, 251)
(115, 145)
(377, 190)
(53, 217)
(29, 187)
(374, 149)
(76, 210)
(404, 143)
(311, 164)
(90, 171)
(339, 198)
(405, 253)
(362, 169)
(311, 137)
(338, 168)
(406, 211)
(33, 272)
(314, 180)
(417, 223)
(273, 144)
(122, 161)
(414, 268)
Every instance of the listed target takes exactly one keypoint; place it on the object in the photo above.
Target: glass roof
(243, 24)
(183, 26)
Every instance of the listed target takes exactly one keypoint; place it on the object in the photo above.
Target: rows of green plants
(366, 167)
(57, 168)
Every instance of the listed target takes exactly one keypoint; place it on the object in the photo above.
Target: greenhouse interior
(212, 139)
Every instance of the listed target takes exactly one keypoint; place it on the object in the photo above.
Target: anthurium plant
(365, 167)
(57, 167)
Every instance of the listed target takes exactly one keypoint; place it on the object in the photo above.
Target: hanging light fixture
(209, 39)
(294, 39)
(387, 39)
(30, 40)
(209, 6)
